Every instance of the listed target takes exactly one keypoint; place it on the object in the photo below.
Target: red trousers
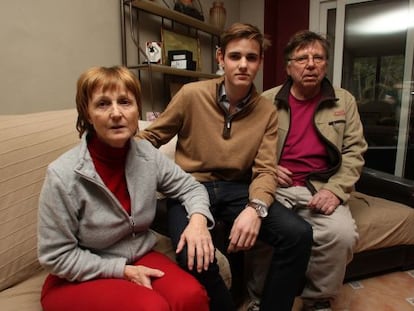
(175, 291)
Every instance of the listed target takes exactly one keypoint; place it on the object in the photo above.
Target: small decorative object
(152, 115)
(218, 14)
(154, 51)
(187, 7)
(220, 69)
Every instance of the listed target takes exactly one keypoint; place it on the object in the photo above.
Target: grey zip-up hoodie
(84, 232)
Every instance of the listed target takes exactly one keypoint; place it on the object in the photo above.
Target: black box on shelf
(179, 55)
(184, 64)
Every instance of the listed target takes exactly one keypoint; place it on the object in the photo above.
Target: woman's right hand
(141, 275)
(200, 248)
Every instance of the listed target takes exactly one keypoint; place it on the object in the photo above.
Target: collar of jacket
(327, 91)
(328, 99)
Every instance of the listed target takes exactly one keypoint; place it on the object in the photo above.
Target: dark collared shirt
(225, 104)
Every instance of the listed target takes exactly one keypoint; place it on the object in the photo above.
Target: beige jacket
(338, 123)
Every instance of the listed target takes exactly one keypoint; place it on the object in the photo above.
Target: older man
(320, 152)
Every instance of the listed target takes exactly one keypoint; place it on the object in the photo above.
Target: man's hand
(141, 275)
(284, 177)
(199, 243)
(245, 230)
(324, 202)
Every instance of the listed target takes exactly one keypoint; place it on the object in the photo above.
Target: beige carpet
(389, 292)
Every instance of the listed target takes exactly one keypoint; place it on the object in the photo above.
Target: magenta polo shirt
(303, 151)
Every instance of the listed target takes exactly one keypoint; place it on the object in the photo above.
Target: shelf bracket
(140, 50)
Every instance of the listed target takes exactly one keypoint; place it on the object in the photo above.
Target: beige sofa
(29, 142)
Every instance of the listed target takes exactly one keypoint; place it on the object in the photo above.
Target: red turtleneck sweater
(110, 164)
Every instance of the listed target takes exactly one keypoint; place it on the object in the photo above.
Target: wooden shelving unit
(174, 71)
(164, 12)
(174, 17)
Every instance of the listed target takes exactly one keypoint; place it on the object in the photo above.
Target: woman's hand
(141, 275)
(199, 243)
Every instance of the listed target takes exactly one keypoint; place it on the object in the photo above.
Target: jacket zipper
(110, 196)
(227, 126)
(132, 223)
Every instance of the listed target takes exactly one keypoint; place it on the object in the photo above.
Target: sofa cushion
(24, 296)
(381, 223)
(28, 144)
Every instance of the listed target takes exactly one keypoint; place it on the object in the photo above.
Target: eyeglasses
(304, 59)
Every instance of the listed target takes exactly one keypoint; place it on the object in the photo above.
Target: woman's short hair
(107, 78)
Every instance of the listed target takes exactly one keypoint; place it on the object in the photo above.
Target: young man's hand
(245, 230)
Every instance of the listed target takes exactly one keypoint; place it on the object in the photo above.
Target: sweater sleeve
(58, 247)
(264, 171)
(352, 150)
(176, 183)
(168, 124)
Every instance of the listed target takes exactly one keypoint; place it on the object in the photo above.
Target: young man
(320, 156)
(227, 137)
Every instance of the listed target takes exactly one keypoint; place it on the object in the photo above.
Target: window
(375, 63)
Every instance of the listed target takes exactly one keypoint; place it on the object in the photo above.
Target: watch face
(261, 211)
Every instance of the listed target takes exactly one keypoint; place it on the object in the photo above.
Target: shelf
(175, 71)
(175, 16)
(170, 75)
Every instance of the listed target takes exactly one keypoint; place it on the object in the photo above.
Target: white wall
(46, 44)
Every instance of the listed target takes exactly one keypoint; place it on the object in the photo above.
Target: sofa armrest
(386, 186)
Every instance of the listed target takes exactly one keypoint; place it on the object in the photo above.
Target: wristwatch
(260, 208)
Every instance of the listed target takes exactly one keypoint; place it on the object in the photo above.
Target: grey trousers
(334, 237)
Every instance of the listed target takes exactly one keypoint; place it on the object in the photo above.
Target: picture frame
(172, 41)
